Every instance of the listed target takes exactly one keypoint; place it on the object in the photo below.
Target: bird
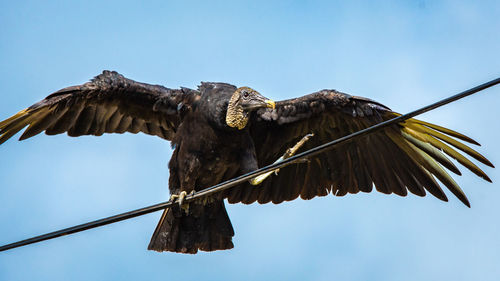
(219, 131)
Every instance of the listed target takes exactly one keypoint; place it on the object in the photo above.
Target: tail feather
(206, 227)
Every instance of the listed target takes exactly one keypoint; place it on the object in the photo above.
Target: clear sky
(404, 54)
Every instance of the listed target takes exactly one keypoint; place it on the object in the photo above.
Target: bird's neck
(236, 117)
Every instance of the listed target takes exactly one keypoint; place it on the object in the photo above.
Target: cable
(243, 178)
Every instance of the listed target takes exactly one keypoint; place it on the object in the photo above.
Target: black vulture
(220, 131)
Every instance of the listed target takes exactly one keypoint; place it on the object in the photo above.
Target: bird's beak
(257, 101)
(270, 104)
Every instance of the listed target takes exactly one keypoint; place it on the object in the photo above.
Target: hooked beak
(270, 104)
(258, 102)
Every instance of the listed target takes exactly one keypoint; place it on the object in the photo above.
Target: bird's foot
(288, 153)
(291, 151)
(180, 200)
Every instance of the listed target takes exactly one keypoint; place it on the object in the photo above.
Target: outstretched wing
(109, 103)
(404, 157)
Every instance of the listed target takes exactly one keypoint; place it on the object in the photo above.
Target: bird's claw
(180, 200)
(292, 150)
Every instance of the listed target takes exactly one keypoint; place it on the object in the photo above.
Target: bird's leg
(288, 153)
(180, 199)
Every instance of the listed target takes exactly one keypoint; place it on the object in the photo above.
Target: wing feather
(471, 152)
(125, 123)
(109, 103)
(113, 121)
(37, 124)
(431, 151)
(406, 157)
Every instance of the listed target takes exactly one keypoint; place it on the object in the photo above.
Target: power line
(243, 178)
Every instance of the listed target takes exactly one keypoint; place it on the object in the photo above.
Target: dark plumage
(220, 131)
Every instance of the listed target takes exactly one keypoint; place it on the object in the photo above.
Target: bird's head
(242, 102)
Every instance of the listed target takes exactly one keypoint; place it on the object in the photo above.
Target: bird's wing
(405, 157)
(109, 103)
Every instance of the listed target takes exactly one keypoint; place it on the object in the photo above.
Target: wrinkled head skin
(242, 102)
(250, 99)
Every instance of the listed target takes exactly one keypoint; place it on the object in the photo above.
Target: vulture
(220, 131)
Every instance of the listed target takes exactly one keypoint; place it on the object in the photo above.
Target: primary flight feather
(220, 131)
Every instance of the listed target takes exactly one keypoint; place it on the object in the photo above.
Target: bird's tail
(205, 227)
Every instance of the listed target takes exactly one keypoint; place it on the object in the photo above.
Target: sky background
(405, 54)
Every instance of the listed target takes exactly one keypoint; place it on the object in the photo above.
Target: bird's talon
(181, 197)
(173, 197)
(180, 200)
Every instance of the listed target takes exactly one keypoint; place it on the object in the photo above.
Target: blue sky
(404, 54)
